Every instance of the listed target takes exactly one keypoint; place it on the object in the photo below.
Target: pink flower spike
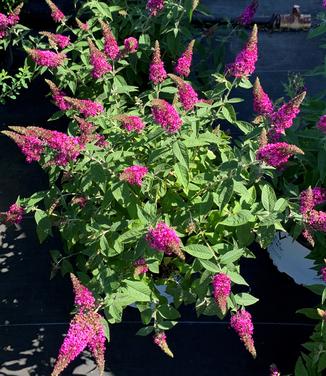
(184, 62)
(57, 40)
(47, 58)
(140, 267)
(187, 95)
(84, 299)
(111, 47)
(15, 214)
(245, 62)
(262, 104)
(241, 322)
(66, 148)
(131, 123)
(321, 125)
(56, 13)
(278, 154)
(82, 25)
(98, 61)
(131, 45)
(86, 107)
(166, 115)
(58, 96)
(154, 6)
(157, 73)
(160, 341)
(283, 118)
(324, 3)
(310, 198)
(221, 289)
(163, 238)
(248, 14)
(134, 175)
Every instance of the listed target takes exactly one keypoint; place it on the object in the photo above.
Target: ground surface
(34, 310)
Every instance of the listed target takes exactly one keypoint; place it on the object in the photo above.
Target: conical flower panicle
(183, 65)
(241, 322)
(283, 118)
(140, 266)
(111, 47)
(85, 330)
(245, 62)
(47, 58)
(134, 175)
(56, 40)
(221, 290)
(58, 96)
(56, 13)
(248, 14)
(263, 140)
(98, 61)
(262, 103)
(15, 214)
(166, 115)
(86, 107)
(84, 299)
(160, 341)
(131, 123)
(82, 25)
(277, 154)
(187, 95)
(157, 73)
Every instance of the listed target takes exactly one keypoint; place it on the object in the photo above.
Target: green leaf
(231, 256)
(199, 250)
(182, 175)
(245, 299)
(106, 328)
(300, 369)
(168, 312)
(280, 205)
(238, 219)
(311, 313)
(225, 193)
(210, 266)
(138, 290)
(268, 197)
(145, 331)
(180, 151)
(237, 278)
(44, 225)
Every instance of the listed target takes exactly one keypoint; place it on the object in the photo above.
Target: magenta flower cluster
(183, 65)
(85, 107)
(157, 73)
(187, 96)
(98, 60)
(154, 6)
(241, 322)
(245, 61)
(131, 45)
(15, 214)
(66, 148)
(131, 123)
(57, 40)
(163, 238)
(85, 330)
(262, 103)
(323, 273)
(221, 290)
(247, 15)
(274, 371)
(111, 47)
(7, 22)
(134, 175)
(160, 340)
(310, 198)
(166, 115)
(277, 154)
(47, 58)
(58, 96)
(56, 14)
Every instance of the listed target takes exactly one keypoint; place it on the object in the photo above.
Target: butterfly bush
(146, 189)
(262, 103)
(56, 14)
(8, 21)
(248, 13)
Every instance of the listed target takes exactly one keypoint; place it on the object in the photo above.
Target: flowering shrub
(146, 189)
